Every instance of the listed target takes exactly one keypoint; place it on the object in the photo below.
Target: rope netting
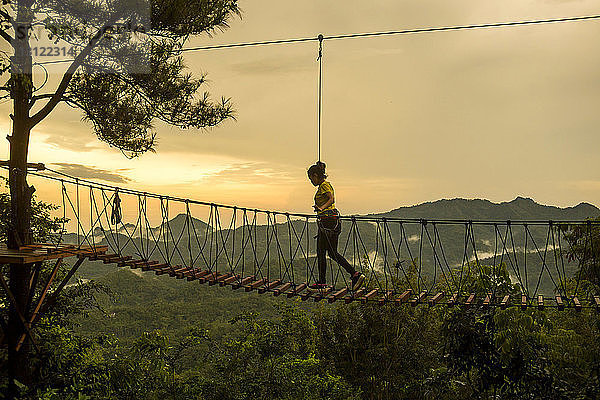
(435, 261)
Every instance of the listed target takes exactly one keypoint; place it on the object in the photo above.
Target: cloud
(74, 141)
(82, 171)
(249, 173)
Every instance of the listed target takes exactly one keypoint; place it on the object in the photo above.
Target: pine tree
(126, 72)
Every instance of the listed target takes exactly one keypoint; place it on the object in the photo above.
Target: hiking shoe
(357, 280)
(316, 287)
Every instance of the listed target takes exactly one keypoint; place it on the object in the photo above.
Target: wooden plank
(230, 280)
(34, 254)
(243, 282)
(185, 273)
(177, 270)
(369, 296)
(252, 286)
(142, 264)
(403, 298)
(219, 278)
(197, 274)
(320, 294)
(106, 256)
(436, 299)
(282, 288)
(116, 260)
(306, 295)
(559, 302)
(34, 166)
(95, 251)
(206, 277)
(189, 272)
(354, 296)
(540, 302)
(419, 298)
(157, 267)
(470, 300)
(523, 302)
(149, 267)
(39, 245)
(577, 303)
(453, 300)
(48, 247)
(269, 286)
(487, 300)
(297, 290)
(337, 295)
(121, 262)
(134, 263)
(91, 254)
(163, 270)
(385, 297)
(505, 301)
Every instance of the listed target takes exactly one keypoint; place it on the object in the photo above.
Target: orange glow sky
(494, 113)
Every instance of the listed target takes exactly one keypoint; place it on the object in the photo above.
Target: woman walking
(330, 227)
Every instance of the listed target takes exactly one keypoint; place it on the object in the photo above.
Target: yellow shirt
(321, 196)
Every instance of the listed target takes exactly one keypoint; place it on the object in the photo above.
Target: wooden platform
(46, 251)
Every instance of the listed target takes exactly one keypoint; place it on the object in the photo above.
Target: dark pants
(330, 228)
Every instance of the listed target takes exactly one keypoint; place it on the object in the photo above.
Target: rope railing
(404, 260)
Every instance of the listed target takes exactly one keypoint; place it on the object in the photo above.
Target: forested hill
(158, 335)
(518, 209)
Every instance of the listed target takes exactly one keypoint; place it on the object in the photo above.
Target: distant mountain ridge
(520, 208)
(180, 223)
(171, 230)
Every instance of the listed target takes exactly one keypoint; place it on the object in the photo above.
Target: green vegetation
(126, 335)
(283, 349)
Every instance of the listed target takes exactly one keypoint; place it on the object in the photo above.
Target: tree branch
(66, 79)
(39, 97)
(6, 36)
(73, 103)
(5, 15)
(3, 33)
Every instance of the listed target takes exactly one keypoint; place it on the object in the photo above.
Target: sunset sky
(490, 113)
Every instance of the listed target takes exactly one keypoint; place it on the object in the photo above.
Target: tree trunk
(19, 233)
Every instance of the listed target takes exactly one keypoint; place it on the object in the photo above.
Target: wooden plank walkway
(36, 253)
(46, 251)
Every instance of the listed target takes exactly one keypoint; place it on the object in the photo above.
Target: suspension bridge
(451, 262)
(407, 261)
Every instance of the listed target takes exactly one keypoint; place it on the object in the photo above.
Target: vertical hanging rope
(320, 96)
